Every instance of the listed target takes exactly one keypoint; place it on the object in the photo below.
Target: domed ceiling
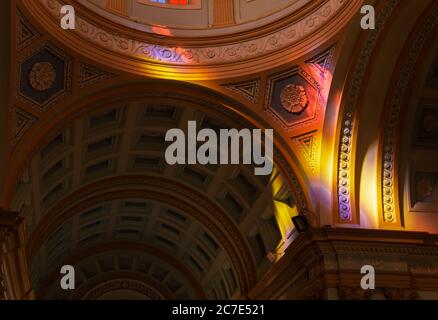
(210, 40)
(196, 18)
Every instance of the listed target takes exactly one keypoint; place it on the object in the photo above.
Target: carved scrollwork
(209, 54)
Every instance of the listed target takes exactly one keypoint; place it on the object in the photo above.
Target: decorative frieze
(327, 263)
(198, 55)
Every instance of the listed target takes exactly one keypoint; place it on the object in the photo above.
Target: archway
(105, 161)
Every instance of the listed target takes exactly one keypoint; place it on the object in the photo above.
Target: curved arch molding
(157, 189)
(396, 102)
(191, 59)
(38, 136)
(348, 117)
(107, 248)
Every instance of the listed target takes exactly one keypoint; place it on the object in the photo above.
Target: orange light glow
(368, 189)
(161, 30)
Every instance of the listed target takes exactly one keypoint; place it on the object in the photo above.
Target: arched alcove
(99, 175)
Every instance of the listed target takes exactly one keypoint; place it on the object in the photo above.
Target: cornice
(373, 235)
(212, 36)
(332, 257)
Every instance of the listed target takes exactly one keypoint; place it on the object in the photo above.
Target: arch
(130, 246)
(215, 58)
(232, 112)
(363, 54)
(158, 189)
(397, 100)
(372, 59)
(205, 99)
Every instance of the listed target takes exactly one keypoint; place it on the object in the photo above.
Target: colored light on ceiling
(368, 189)
(176, 2)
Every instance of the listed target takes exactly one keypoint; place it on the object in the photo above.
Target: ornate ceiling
(195, 19)
(305, 26)
(96, 179)
(85, 147)
(216, 219)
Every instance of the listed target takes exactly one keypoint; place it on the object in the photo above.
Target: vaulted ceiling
(84, 151)
(104, 179)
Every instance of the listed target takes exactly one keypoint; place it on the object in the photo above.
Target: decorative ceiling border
(166, 57)
(345, 165)
(262, 45)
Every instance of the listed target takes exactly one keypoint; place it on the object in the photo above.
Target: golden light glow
(327, 186)
(161, 30)
(283, 213)
(368, 189)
